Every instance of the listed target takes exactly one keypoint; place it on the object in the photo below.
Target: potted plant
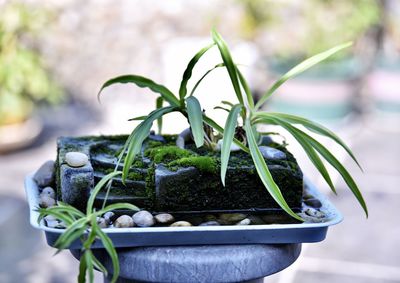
(207, 170)
(24, 81)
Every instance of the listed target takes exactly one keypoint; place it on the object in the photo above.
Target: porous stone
(210, 223)
(76, 159)
(181, 224)
(143, 219)
(46, 201)
(313, 202)
(124, 221)
(164, 218)
(272, 153)
(245, 221)
(48, 191)
(231, 218)
(44, 176)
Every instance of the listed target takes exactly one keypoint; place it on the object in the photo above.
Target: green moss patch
(164, 154)
(203, 163)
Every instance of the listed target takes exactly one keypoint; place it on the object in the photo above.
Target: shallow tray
(200, 235)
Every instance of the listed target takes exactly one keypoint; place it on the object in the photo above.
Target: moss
(135, 176)
(166, 153)
(150, 182)
(203, 163)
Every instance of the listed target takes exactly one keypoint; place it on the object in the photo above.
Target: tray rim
(31, 189)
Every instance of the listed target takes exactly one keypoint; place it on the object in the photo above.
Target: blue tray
(307, 232)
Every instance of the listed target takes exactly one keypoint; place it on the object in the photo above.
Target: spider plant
(85, 227)
(250, 115)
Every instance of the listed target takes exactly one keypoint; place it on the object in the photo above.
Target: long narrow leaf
(228, 61)
(189, 69)
(143, 83)
(89, 265)
(97, 188)
(138, 118)
(303, 66)
(339, 167)
(316, 128)
(204, 76)
(82, 270)
(139, 134)
(99, 265)
(109, 246)
(116, 206)
(229, 133)
(246, 88)
(73, 232)
(310, 151)
(196, 120)
(159, 104)
(219, 129)
(264, 173)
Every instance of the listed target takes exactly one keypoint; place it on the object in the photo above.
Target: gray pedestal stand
(222, 263)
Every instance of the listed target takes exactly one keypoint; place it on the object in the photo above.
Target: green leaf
(57, 213)
(315, 159)
(116, 206)
(97, 188)
(143, 83)
(227, 103)
(195, 120)
(316, 128)
(89, 265)
(139, 134)
(109, 246)
(205, 75)
(228, 61)
(159, 104)
(229, 133)
(73, 232)
(339, 167)
(188, 72)
(221, 108)
(246, 88)
(82, 270)
(99, 265)
(303, 66)
(264, 173)
(138, 118)
(218, 128)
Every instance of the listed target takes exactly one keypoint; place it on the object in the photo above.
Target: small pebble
(231, 218)
(143, 219)
(181, 224)
(245, 221)
(164, 218)
(210, 223)
(314, 213)
(48, 191)
(50, 218)
(210, 217)
(313, 202)
(255, 220)
(76, 159)
(234, 147)
(102, 222)
(124, 221)
(271, 153)
(52, 223)
(107, 216)
(46, 201)
(44, 176)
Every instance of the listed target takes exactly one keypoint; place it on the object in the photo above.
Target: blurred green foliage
(24, 80)
(303, 28)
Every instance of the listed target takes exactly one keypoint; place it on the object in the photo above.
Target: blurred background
(55, 55)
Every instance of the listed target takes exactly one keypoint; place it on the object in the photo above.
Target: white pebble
(76, 159)
(181, 224)
(48, 191)
(245, 221)
(164, 218)
(143, 219)
(46, 201)
(124, 221)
